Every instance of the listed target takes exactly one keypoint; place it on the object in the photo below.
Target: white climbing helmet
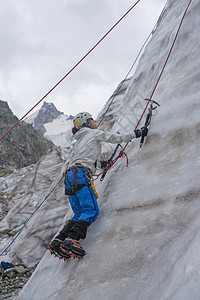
(81, 119)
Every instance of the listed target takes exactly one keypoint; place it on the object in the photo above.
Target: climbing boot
(55, 249)
(73, 248)
(78, 230)
(65, 231)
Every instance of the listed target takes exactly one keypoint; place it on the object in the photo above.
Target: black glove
(141, 132)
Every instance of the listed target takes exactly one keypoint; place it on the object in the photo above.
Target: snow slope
(145, 243)
(52, 124)
(59, 131)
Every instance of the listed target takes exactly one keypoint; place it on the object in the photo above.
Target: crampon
(54, 249)
(72, 248)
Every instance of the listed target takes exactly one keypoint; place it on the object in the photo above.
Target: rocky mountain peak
(52, 124)
(47, 113)
(6, 115)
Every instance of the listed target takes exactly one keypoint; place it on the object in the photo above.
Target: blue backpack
(6, 266)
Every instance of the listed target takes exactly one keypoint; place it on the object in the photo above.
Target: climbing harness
(76, 65)
(76, 185)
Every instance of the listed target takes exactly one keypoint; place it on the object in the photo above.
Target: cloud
(42, 40)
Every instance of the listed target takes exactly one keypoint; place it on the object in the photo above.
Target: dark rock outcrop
(20, 147)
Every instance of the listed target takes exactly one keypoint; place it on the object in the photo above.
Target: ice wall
(145, 243)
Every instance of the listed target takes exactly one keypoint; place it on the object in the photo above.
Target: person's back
(86, 149)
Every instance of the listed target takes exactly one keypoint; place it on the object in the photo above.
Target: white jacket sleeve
(110, 137)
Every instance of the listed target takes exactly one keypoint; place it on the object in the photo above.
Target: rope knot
(121, 153)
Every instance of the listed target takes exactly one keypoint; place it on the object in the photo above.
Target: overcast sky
(41, 40)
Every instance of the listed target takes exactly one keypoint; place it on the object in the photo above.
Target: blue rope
(4, 251)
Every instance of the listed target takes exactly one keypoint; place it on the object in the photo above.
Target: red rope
(154, 89)
(72, 68)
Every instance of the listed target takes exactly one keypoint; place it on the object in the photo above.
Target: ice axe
(149, 115)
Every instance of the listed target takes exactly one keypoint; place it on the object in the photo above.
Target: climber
(78, 185)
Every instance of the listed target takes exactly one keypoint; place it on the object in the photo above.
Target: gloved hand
(142, 132)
